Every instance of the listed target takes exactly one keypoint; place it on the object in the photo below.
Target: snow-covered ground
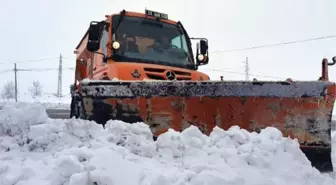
(48, 100)
(37, 150)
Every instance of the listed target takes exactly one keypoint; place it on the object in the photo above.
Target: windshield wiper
(121, 17)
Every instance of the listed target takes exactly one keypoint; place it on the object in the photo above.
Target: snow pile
(37, 150)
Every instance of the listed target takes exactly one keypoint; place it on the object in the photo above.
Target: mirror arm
(333, 61)
(104, 56)
(199, 38)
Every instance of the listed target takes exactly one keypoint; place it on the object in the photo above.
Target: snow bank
(37, 150)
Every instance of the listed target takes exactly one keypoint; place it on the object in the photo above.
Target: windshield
(147, 40)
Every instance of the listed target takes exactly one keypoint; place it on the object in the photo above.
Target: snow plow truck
(140, 67)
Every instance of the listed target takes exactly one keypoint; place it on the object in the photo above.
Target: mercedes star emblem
(136, 74)
(170, 75)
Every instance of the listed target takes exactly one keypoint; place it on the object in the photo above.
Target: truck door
(98, 63)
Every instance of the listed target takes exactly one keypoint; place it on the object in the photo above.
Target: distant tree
(36, 88)
(8, 90)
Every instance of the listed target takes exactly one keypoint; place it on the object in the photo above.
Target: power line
(5, 71)
(240, 73)
(44, 69)
(16, 70)
(31, 61)
(72, 68)
(59, 87)
(246, 69)
(36, 69)
(273, 45)
(218, 51)
(15, 80)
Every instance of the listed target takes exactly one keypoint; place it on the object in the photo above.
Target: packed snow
(35, 149)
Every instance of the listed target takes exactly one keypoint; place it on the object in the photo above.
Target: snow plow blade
(300, 110)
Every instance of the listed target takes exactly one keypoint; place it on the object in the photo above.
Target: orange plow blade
(300, 110)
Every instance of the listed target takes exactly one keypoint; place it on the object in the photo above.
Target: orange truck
(140, 67)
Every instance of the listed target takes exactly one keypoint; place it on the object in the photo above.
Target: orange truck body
(123, 70)
(142, 91)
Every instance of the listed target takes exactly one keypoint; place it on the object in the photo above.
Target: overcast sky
(39, 29)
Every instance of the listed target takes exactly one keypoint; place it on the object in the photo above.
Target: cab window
(179, 41)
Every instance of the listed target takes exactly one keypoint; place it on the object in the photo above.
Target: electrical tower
(16, 89)
(59, 87)
(246, 69)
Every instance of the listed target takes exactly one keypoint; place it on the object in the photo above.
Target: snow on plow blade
(300, 110)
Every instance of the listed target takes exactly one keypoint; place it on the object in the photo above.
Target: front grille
(185, 78)
(155, 77)
(160, 74)
(155, 70)
(182, 73)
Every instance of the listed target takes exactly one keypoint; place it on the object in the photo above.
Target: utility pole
(15, 71)
(246, 69)
(59, 87)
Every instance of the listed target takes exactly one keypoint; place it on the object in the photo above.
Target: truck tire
(76, 108)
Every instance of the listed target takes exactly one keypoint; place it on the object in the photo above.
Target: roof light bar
(156, 14)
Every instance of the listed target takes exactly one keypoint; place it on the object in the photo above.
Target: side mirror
(204, 47)
(202, 55)
(95, 31)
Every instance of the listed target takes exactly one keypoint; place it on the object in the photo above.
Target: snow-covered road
(35, 149)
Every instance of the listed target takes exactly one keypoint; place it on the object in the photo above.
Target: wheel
(155, 138)
(76, 108)
(73, 112)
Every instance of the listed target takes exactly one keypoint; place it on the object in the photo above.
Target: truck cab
(139, 46)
